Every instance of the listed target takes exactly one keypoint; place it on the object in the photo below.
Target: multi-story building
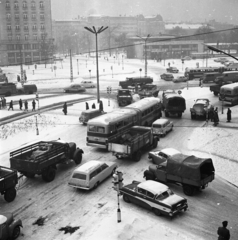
(25, 31)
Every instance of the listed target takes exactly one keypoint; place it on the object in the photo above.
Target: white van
(229, 93)
(91, 174)
(162, 126)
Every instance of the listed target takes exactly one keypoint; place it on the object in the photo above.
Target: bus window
(101, 129)
(119, 125)
(92, 128)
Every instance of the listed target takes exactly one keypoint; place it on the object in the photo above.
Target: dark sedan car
(74, 88)
(154, 196)
(172, 70)
(167, 76)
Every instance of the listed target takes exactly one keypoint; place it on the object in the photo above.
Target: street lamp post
(140, 72)
(78, 66)
(145, 39)
(96, 32)
(89, 73)
(122, 62)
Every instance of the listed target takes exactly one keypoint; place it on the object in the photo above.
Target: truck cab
(124, 97)
(9, 227)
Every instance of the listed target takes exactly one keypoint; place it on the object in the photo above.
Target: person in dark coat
(26, 105)
(11, 106)
(33, 105)
(101, 106)
(216, 117)
(4, 102)
(18, 78)
(223, 232)
(65, 108)
(228, 115)
(87, 107)
(93, 106)
(20, 104)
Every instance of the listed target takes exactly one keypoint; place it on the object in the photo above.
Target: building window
(42, 36)
(42, 27)
(7, 4)
(34, 27)
(10, 47)
(16, 5)
(26, 37)
(8, 16)
(9, 27)
(35, 45)
(18, 37)
(33, 4)
(17, 16)
(27, 46)
(17, 27)
(24, 4)
(25, 16)
(42, 16)
(41, 4)
(35, 37)
(10, 37)
(26, 27)
(33, 16)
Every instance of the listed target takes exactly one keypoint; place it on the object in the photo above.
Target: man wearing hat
(223, 232)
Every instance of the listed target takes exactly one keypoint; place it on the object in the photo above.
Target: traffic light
(109, 90)
(115, 181)
(182, 61)
(120, 179)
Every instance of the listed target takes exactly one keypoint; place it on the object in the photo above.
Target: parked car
(154, 196)
(201, 108)
(172, 70)
(90, 174)
(162, 126)
(73, 88)
(167, 76)
(88, 84)
(180, 79)
(187, 58)
(160, 156)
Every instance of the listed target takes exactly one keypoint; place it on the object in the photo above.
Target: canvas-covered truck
(8, 182)
(173, 103)
(124, 97)
(132, 142)
(191, 172)
(41, 158)
(148, 90)
(135, 81)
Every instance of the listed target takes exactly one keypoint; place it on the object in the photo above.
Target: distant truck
(8, 89)
(27, 89)
(191, 172)
(132, 142)
(124, 97)
(173, 103)
(148, 90)
(8, 182)
(42, 158)
(135, 81)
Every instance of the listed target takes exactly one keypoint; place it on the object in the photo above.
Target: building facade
(25, 32)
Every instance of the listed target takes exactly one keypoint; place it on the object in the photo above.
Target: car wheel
(137, 156)
(49, 174)
(156, 212)
(10, 194)
(188, 190)
(72, 148)
(16, 232)
(155, 142)
(77, 156)
(96, 185)
(126, 198)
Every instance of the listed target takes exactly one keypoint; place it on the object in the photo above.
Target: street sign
(179, 92)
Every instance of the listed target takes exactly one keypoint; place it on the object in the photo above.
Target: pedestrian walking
(87, 107)
(26, 106)
(228, 115)
(20, 104)
(35, 66)
(93, 106)
(18, 78)
(33, 105)
(5, 102)
(65, 108)
(216, 117)
(1, 103)
(101, 106)
(223, 232)
(200, 82)
(11, 106)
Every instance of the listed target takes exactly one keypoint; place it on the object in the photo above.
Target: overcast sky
(170, 10)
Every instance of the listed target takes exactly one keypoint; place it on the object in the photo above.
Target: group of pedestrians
(21, 105)
(215, 117)
(3, 103)
(94, 106)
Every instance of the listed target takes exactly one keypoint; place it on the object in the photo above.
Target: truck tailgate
(119, 148)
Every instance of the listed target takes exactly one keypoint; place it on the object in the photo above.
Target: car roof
(154, 187)
(88, 166)
(161, 121)
(202, 101)
(170, 151)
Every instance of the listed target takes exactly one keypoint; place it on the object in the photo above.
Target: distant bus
(229, 93)
(110, 126)
(193, 73)
(7, 89)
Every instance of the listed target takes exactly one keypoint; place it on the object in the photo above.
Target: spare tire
(72, 148)
(77, 156)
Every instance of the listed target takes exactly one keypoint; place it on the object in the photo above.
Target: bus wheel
(136, 156)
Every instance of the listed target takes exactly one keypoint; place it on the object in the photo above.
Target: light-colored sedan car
(162, 155)
(90, 174)
(180, 79)
(74, 88)
(88, 84)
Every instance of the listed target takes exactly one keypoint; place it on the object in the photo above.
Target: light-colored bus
(229, 93)
(110, 126)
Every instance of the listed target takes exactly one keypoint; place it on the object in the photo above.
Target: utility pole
(21, 66)
(71, 67)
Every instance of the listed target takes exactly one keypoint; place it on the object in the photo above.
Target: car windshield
(164, 195)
